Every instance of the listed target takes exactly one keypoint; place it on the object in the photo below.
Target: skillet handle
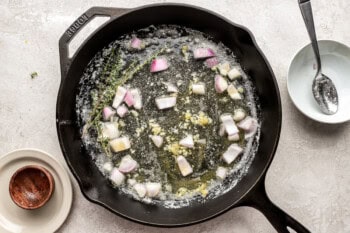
(78, 24)
(279, 219)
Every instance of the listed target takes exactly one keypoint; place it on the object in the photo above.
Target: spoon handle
(306, 11)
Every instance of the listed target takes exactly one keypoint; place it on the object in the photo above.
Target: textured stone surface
(310, 175)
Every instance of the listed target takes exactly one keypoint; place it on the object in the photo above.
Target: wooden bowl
(31, 187)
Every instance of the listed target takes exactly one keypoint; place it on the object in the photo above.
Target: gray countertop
(310, 174)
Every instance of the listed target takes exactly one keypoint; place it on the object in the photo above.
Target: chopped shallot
(157, 140)
(171, 87)
(233, 93)
(232, 153)
(107, 113)
(234, 74)
(184, 166)
(198, 88)
(122, 110)
(119, 96)
(187, 141)
(166, 102)
(229, 124)
(249, 125)
(110, 130)
(159, 64)
(116, 177)
(220, 84)
(153, 189)
(221, 173)
(127, 164)
(211, 62)
(120, 144)
(136, 94)
(201, 53)
(136, 43)
(129, 99)
(140, 190)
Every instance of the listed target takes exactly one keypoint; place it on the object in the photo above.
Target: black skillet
(250, 191)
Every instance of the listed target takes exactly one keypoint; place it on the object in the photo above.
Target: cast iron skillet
(250, 191)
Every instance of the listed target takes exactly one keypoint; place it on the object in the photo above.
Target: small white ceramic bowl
(335, 58)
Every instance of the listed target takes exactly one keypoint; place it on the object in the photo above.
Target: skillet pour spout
(250, 191)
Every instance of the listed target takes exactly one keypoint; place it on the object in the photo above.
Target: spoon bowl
(325, 94)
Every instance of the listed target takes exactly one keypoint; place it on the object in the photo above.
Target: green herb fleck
(34, 74)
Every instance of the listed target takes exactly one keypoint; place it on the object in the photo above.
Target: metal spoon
(323, 88)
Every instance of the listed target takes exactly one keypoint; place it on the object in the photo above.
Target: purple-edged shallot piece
(201, 53)
(107, 113)
(220, 84)
(122, 110)
(127, 164)
(159, 64)
(249, 125)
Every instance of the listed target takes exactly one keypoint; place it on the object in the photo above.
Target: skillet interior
(95, 187)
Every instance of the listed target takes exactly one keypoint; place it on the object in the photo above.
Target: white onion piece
(120, 144)
(171, 87)
(201, 53)
(107, 113)
(233, 93)
(184, 166)
(110, 130)
(140, 190)
(187, 141)
(127, 164)
(119, 96)
(159, 64)
(136, 43)
(224, 68)
(221, 172)
(220, 84)
(117, 177)
(234, 74)
(232, 153)
(165, 102)
(107, 167)
(233, 138)
(157, 140)
(122, 110)
(129, 99)
(229, 124)
(238, 114)
(198, 88)
(211, 62)
(249, 125)
(136, 94)
(153, 189)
